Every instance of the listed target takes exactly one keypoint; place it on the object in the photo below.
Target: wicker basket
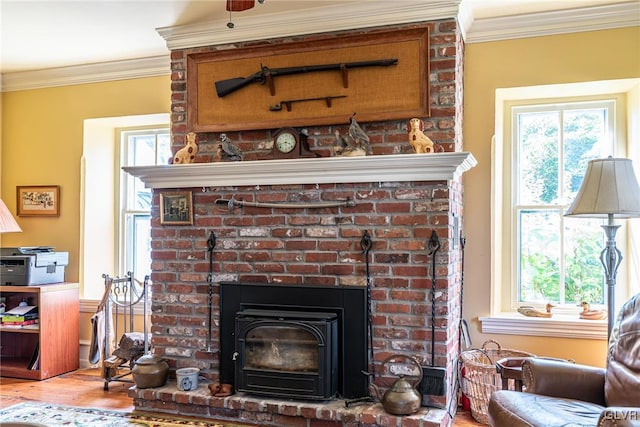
(481, 378)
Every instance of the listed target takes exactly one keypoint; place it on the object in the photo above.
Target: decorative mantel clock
(289, 143)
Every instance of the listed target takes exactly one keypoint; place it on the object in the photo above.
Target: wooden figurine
(531, 311)
(420, 142)
(187, 154)
(588, 313)
(220, 390)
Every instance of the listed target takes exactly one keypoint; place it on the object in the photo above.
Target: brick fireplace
(399, 199)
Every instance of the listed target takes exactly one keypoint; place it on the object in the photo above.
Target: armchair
(565, 394)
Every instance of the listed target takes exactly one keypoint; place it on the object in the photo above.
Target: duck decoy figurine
(531, 311)
(591, 314)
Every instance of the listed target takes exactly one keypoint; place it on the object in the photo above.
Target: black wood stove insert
(287, 353)
(292, 341)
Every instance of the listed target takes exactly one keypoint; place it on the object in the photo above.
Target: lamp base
(610, 257)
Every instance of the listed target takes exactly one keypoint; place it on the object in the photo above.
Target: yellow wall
(42, 132)
(42, 139)
(579, 57)
(42, 144)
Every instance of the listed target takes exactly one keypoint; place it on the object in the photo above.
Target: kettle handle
(409, 358)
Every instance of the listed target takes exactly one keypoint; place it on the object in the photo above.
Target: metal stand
(366, 244)
(211, 244)
(610, 257)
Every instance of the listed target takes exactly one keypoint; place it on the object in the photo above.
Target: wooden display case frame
(56, 335)
(375, 93)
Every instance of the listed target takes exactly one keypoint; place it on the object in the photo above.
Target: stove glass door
(281, 348)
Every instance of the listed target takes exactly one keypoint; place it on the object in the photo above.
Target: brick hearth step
(277, 412)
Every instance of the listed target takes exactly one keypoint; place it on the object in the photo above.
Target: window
(139, 148)
(115, 208)
(556, 257)
(545, 136)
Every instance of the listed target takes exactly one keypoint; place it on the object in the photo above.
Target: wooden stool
(510, 368)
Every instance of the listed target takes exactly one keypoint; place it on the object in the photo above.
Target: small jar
(150, 371)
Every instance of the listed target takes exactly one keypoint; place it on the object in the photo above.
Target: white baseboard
(84, 355)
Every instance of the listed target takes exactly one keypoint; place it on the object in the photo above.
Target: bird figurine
(588, 313)
(227, 150)
(356, 143)
(360, 139)
(187, 154)
(344, 147)
(420, 142)
(531, 311)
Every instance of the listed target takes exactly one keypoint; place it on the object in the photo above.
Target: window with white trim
(556, 258)
(545, 137)
(115, 207)
(141, 147)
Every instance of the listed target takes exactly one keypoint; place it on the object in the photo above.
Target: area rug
(58, 415)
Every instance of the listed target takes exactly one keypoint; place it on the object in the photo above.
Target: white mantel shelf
(322, 170)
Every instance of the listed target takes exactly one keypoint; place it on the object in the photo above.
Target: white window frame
(99, 219)
(125, 257)
(503, 318)
(511, 207)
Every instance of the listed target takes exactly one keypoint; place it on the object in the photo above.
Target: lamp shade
(610, 187)
(7, 223)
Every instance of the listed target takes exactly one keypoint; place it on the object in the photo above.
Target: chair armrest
(619, 416)
(563, 379)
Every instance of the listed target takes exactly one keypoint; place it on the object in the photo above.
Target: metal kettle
(402, 398)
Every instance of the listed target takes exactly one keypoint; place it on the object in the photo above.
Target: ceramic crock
(150, 371)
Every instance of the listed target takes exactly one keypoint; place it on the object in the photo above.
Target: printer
(24, 266)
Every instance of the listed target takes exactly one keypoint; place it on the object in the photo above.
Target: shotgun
(266, 74)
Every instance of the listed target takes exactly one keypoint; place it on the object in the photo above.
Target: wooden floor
(84, 388)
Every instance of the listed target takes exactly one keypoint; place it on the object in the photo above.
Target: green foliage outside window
(558, 258)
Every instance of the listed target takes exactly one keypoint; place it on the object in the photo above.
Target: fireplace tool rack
(366, 244)
(121, 301)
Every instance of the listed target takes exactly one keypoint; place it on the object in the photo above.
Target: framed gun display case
(381, 75)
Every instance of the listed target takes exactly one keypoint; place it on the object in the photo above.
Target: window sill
(561, 326)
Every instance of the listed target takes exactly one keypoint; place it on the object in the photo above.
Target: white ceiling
(43, 34)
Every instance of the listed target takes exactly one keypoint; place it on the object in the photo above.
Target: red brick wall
(322, 246)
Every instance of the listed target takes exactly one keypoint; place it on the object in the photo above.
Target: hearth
(306, 342)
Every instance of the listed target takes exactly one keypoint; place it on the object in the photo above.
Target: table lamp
(7, 223)
(609, 189)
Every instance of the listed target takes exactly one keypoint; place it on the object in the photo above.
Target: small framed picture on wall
(38, 200)
(176, 208)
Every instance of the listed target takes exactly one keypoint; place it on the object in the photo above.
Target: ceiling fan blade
(240, 5)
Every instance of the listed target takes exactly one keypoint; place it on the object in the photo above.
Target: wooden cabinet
(54, 341)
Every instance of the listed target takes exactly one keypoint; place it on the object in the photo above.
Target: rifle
(266, 74)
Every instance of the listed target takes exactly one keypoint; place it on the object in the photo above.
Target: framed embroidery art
(38, 200)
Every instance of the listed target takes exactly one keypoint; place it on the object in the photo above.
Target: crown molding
(352, 15)
(593, 18)
(381, 168)
(87, 73)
